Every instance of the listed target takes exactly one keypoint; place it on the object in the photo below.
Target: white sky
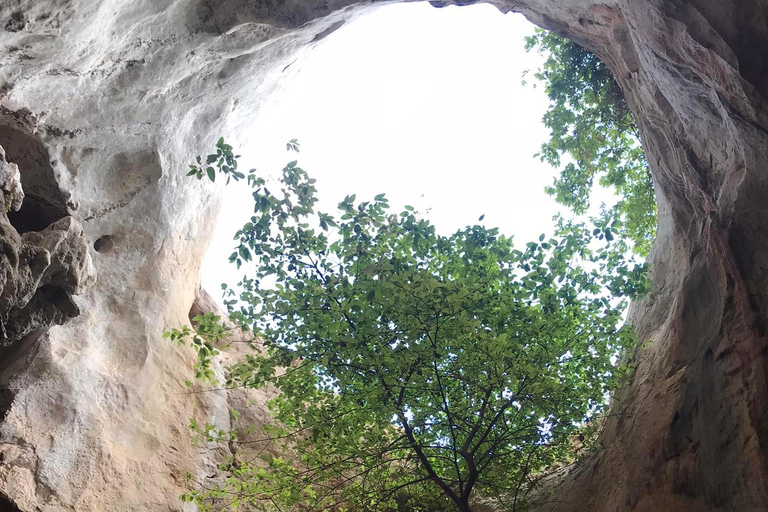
(423, 104)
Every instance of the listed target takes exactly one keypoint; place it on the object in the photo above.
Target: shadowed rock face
(40, 270)
(690, 429)
(121, 93)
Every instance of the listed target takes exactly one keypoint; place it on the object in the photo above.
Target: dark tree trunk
(463, 505)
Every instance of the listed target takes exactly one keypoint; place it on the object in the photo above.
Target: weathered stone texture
(690, 430)
(40, 270)
(10, 184)
(102, 103)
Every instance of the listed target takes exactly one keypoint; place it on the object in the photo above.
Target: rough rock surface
(102, 102)
(10, 184)
(41, 271)
(689, 432)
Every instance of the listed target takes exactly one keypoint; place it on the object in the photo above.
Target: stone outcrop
(54, 265)
(10, 184)
(41, 271)
(103, 102)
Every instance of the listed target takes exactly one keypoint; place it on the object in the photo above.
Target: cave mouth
(44, 202)
(437, 119)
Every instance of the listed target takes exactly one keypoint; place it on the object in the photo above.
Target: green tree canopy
(593, 136)
(412, 366)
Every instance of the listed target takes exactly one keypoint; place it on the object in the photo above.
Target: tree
(415, 368)
(593, 133)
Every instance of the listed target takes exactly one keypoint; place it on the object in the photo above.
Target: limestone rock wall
(102, 104)
(689, 431)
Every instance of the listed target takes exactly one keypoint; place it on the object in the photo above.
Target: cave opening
(458, 141)
(44, 201)
(437, 118)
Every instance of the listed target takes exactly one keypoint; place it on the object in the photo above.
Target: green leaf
(590, 125)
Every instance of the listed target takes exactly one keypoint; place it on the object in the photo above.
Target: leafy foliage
(208, 332)
(222, 160)
(415, 369)
(593, 135)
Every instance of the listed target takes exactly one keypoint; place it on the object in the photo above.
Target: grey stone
(40, 271)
